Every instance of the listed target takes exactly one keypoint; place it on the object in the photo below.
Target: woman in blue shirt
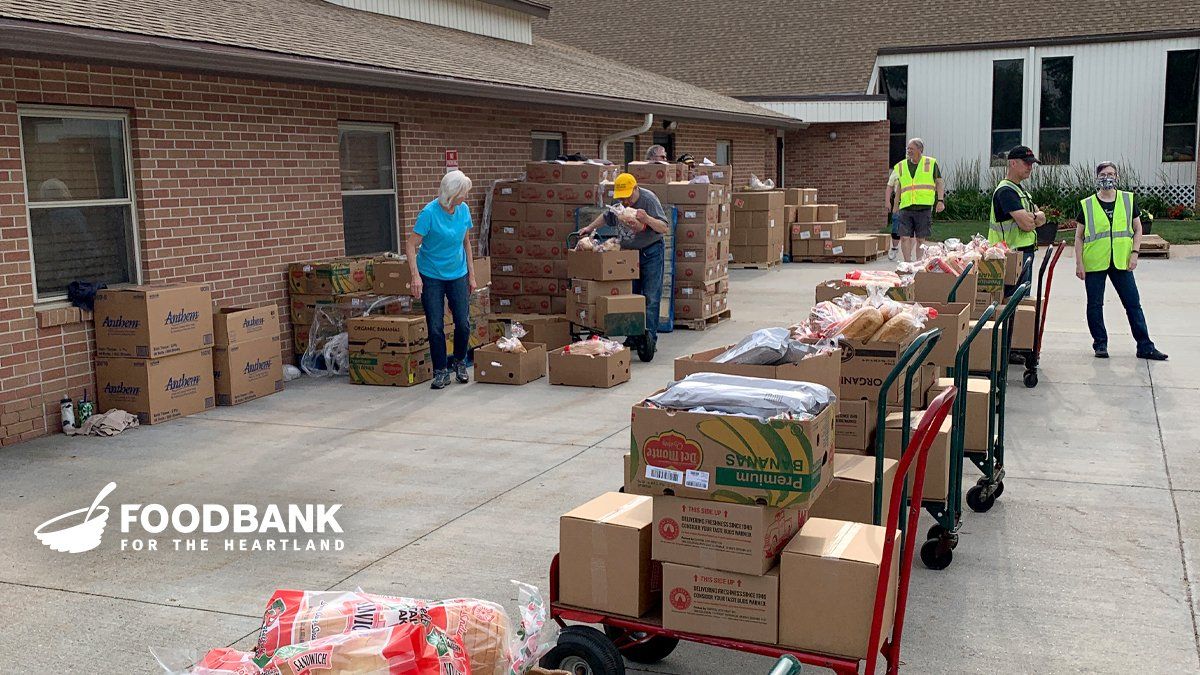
(439, 256)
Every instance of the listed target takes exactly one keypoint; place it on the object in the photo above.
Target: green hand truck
(990, 462)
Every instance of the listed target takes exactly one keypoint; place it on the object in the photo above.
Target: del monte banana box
(728, 458)
(340, 275)
(394, 369)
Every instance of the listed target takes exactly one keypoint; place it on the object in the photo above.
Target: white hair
(917, 142)
(652, 150)
(454, 185)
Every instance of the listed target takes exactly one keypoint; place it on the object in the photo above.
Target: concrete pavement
(1088, 563)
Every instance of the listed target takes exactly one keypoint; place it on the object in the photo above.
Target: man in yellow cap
(640, 227)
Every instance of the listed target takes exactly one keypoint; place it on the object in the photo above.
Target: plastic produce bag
(512, 342)
(223, 661)
(756, 184)
(768, 347)
(748, 396)
(594, 346)
(328, 352)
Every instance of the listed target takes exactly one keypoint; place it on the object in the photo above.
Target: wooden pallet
(754, 265)
(1154, 246)
(703, 324)
(840, 259)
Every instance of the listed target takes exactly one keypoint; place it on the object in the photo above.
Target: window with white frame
(368, 163)
(547, 145)
(79, 196)
(724, 152)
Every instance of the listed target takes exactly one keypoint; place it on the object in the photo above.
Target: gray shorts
(916, 223)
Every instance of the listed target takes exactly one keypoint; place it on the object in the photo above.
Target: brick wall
(235, 178)
(850, 171)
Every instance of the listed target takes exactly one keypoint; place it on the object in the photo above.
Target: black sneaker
(441, 378)
(460, 372)
(1102, 353)
(1153, 355)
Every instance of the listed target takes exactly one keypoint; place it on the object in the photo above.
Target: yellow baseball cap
(623, 186)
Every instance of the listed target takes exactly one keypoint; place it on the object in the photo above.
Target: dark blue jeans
(650, 284)
(436, 294)
(1122, 280)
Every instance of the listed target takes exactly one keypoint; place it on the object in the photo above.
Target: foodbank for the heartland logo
(192, 527)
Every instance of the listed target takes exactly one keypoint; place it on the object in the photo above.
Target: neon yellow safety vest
(917, 189)
(1007, 231)
(1107, 241)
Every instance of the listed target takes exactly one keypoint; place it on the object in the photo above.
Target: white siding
(471, 16)
(830, 111)
(1116, 103)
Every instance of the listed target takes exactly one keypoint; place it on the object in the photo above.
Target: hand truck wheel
(937, 554)
(652, 650)
(646, 348)
(583, 650)
(980, 499)
(1031, 378)
(939, 532)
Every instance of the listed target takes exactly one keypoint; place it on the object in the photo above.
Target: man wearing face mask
(1108, 233)
(1015, 218)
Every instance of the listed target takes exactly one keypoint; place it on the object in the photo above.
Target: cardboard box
(505, 285)
(505, 231)
(768, 200)
(689, 193)
(506, 191)
(152, 321)
(546, 269)
(954, 320)
(865, 365)
(984, 299)
(698, 214)
(507, 211)
(558, 193)
(937, 467)
(981, 357)
(688, 233)
(586, 292)
(793, 196)
(701, 272)
(495, 366)
(554, 331)
(828, 576)
(834, 288)
(721, 174)
(604, 556)
(1024, 323)
(975, 425)
(727, 537)
(832, 229)
(540, 286)
(552, 232)
(701, 307)
(504, 266)
(628, 303)
(550, 214)
(233, 325)
(685, 290)
(585, 371)
(706, 251)
(806, 213)
(827, 213)
(1013, 261)
(699, 455)
(340, 275)
(247, 370)
(157, 389)
(602, 265)
(379, 334)
(723, 604)
(300, 338)
(991, 274)
(936, 286)
(859, 245)
(789, 214)
(576, 173)
(394, 369)
(851, 495)
(393, 277)
(761, 220)
(855, 424)
(822, 369)
(652, 173)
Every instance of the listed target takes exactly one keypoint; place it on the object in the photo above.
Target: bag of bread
(863, 323)
(482, 628)
(904, 326)
(223, 661)
(404, 649)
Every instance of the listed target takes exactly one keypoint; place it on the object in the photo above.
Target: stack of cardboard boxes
(389, 350)
(721, 546)
(600, 293)
(759, 231)
(393, 277)
(530, 222)
(818, 234)
(702, 245)
(329, 283)
(248, 357)
(154, 349)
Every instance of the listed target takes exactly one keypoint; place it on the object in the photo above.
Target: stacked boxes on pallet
(702, 238)
(759, 232)
(817, 233)
(530, 222)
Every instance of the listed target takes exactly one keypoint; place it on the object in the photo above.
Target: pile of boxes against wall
(818, 235)
(163, 352)
(390, 345)
(717, 551)
(702, 234)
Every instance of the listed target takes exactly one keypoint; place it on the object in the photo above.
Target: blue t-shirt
(442, 255)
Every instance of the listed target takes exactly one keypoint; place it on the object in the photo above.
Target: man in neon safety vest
(1108, 233)
(917, 180)
(1015, 218)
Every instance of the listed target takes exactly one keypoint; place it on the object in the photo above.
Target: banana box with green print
(728, 458)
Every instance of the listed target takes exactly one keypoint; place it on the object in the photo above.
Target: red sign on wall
(451, 160)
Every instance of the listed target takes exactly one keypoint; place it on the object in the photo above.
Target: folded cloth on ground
(108, 423)
(752, 396)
